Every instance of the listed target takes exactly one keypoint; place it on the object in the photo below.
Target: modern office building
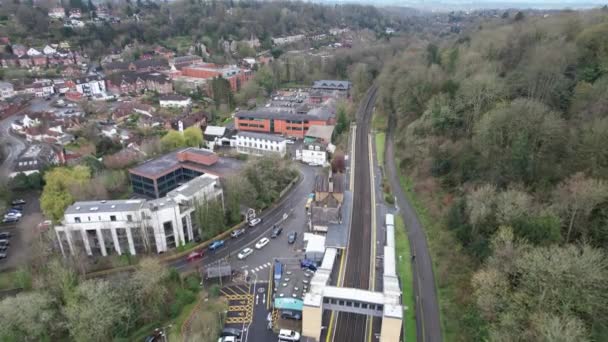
(156, 177)
(280, 122)
(136, 226)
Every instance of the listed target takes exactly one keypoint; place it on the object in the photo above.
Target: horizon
(470, 5)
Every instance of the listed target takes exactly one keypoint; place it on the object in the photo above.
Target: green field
(404, 269)
(380, 140)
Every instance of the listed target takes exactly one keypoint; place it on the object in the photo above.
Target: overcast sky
(470, 4)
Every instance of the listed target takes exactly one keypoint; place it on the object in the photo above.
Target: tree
(94, 311)
(148, 288)
(28, 316)
(512, 205)
(361, 78)
(577, 196)
(480, 204)
(56, 196)
(343, 122)
(172, 140)
(193, 136)
(265, 79)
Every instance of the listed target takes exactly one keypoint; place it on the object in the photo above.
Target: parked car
(216, 244)
(3, 248)
(2, 255)
(289, 142)
(307, 263)
(292, 237)
(244, 253)
(18, 202)
(276, 232)
(255, 222)
(288, 335)
(288, 314)
(16, 208)
(10, 220)
(228, 339)
(13, 214)
(195, 255)
(237, 232)
(231, 332)
(5, 235)
(5, 242)
(263, 242)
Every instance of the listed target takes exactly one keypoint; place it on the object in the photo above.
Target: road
(293, 204)
(12, 146)
(352, 327)
(428, 324)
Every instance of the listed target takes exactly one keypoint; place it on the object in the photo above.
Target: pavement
(428, 324)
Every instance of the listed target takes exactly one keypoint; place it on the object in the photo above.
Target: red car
(195, 255)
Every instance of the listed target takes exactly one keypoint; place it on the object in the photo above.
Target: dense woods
(503, 129)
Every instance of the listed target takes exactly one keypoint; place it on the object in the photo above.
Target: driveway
(428, 324)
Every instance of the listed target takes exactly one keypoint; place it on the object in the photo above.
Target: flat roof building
(156, 177)
(280, 122)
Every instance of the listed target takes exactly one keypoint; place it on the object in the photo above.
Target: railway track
(352, 327)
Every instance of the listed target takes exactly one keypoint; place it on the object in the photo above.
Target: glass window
(129, 218)
(112, 218)
(77, 219)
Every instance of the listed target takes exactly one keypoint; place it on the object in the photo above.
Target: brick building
(279, 122)
(235, 75)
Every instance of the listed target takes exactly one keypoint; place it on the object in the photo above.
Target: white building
(314, 154)
(288, 39)
(33, 52)
(260, 144)
(174, 101)
(6, 90)
(49, 50)
(57, 13)
(136, 226)
(90, 86)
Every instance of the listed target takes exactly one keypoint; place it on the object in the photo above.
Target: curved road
(11, 145)
(428, 324)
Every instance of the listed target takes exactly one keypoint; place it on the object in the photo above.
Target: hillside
(503, 130)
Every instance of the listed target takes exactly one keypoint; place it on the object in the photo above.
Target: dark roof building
(34, 159)
(332, 85)
(155, 177)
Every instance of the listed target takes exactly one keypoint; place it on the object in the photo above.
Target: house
(136, 226)
(188, 119)
(39, 61)
(34, 159)
(9, 60)
(126, 109)
(75, 13)
(19, 50)
(174, 101)
(141, 65)
(156, 177)
(219, 136)
(115, 133)
(49, 50)
(260, 144)
(33, 52)
(326, 209)
(6, 90)
(57, 13)
(288, 39)
(279, 122)
(132, 82)
(41, 88)
(90, 85)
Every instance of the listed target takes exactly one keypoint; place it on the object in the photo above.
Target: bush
(389, 199)
(193, 283)
(183, 297)
(214, 291)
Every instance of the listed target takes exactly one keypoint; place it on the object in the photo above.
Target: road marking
(270, 284)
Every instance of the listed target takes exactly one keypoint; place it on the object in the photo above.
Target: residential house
(188, 119)
(136, 226)
(33, 52)
(25, 62)
(126, 109)
(39, 61)
(174, 101)
(75, 13)
(326, 209)
(6, 90)
(40, 88)
(141, 65)
(90, 85)
(19, 50)
(260, 144)
(9, 60)
(49, 50)
(34, 159)
(57, 13)
(132, 82)
(288, 39)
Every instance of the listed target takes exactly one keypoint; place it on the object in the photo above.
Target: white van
(288, 335)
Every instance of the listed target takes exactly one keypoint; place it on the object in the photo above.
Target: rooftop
(320, 132)
(261, 136)
(215, 130)
(173, 97)
(105, 206)
(331, 84)
(164, 164)
(270, 114)
(192, 187)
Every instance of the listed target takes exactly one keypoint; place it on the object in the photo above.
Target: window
(89, 218)
(77, 219)
(112, 218)
(129, 218)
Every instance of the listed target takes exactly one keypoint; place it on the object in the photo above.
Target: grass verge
(380, 140)
(8, 280)
(404, 269)
(175, 333)
(206, 321)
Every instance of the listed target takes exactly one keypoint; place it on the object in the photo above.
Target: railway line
(352, 327)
